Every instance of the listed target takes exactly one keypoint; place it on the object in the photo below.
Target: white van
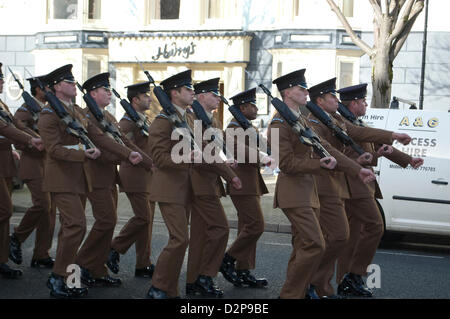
(416, 201)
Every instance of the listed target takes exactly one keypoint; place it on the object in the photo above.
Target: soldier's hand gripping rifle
(74, 127)
(31, 103)
(134, 116)
(337, 131)
(106, 126)
(304, 133)
(170, 110)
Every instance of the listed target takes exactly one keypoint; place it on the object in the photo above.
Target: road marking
(410, 255)
(276, 244)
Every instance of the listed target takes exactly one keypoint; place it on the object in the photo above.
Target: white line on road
(410, 255)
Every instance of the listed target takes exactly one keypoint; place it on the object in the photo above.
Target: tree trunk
(381, 79)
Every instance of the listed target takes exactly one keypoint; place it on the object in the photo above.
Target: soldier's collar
(180, 110)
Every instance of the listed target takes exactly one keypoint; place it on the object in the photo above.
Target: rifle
(207, 123)
(134, 116)
(305, 134)
(169, 109)
(31, 103)
(105, 125)
(345, 112)
(74, 127)
(338, 132)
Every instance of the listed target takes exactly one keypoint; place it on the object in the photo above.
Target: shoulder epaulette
(22, 108)
(87, 115)
(314, 121)
(126, 118)
(47, 110)
(162, 115)
(276, 119)
(233, 123)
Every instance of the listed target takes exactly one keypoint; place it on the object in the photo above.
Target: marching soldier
(136, 183)
(364, 217)
(66, 177)
(332, 187)
(240, 257)
(9, 133)
(296, 189)
(171, 187)
(93, 255)
(209, 226)
(41, 216)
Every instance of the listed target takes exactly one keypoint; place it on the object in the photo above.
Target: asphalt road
(415, 268)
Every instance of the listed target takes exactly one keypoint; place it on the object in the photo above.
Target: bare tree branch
(360, 43)
(402, 22)
(400, 40)
(376, 9)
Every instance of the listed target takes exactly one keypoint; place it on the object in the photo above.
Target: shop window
(93, 67)
(345, 74)
(94, 10)
(163, 9)
(63, 9)
(215, 9)
(347, 8)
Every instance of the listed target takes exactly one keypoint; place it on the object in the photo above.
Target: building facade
(214, 38)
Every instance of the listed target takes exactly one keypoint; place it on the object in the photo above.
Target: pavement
(275, 220)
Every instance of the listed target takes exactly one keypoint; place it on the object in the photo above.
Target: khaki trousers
(366, 230)
(308, 246)
(250, 229)
(170, 260)
(5, 215)
(335, 229)
(94, 252)
(138, 230)
(41, 216)
(208, 237)
(73, 228)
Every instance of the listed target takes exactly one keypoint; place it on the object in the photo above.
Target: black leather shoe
(146, 272)
(311, 293)
(249, 280)
(86, 278)
(8, 272)
(108, 281)
(332, 297)
(15, 251)
(229, 272)
(204, 286)
(78, 292)
(353, 285)
(45, 263)
(113, 261)
(58, 288)
(155, 293)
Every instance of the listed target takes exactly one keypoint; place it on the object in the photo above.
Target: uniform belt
(75, 147)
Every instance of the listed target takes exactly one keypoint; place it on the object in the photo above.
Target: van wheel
(388, 236)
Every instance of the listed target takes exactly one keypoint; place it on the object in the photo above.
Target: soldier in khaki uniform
(10, 132)
(296, 188)
(333, 188)
(41, 216)
(365, 220)
(209, 227)
(136, 183)
(93, 255)
(247, 203)
(66, 176)
(171, 187)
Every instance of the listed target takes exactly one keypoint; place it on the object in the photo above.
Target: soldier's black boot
(311, 293)
(8, 272)
(46, 263)
(155, 293)
(113, 261)
(58, 287)
(249, 280)
(204, 286)
(353, 285)
(228, 270)
(146, 272)
(15, 251)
